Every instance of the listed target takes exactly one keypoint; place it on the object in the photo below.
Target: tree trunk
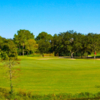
(72, 54)
(27, 53)
(19, 51)
(42, 55)
(94, 55)
(23, 49)
(87, 54)
(10, 74)
(81, 55)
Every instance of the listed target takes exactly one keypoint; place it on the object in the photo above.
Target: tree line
(68, 43)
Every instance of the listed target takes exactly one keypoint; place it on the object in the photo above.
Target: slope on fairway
(57, 75)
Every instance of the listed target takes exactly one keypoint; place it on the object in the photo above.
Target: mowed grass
(56, 75)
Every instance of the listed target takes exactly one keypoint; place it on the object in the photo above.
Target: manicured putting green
(56, 75)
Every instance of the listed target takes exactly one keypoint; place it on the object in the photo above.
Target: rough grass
(55, 75)
(21, 95)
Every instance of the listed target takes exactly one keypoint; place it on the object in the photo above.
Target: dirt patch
(44, 58)
(56, 58)
(50, 58)
(72, 59)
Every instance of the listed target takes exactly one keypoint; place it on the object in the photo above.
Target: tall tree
(94, 42)
(44, 42)
(22, 37)
(55, 44)
(44, 36)
(1, 42)
(31, 46)
(9, 49)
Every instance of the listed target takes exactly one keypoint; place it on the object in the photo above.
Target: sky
(51, 16)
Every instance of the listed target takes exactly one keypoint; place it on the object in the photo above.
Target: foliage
(4, 56)
(68, 43)
(22, 95)
(21, 39)
(8, 49)
(44, 41)
(75, 43)
(48, 54)
(31, 46)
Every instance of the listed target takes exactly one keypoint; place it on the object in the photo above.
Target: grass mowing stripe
(57, 75)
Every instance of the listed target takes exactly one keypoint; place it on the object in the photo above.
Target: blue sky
(51, 16)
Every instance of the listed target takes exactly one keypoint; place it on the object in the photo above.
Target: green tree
(22, 37)
(74, 43)
(94, 42)
(31, 46)
(68, 42)
(9, 49)
(44, 36)
(9, 53)
(44, 46)
(55, 44)
(11, 73)
(44, 42)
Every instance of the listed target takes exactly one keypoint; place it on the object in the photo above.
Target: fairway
(56, 75)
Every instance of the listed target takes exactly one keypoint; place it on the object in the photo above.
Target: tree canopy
(21, 39)
(69, 43)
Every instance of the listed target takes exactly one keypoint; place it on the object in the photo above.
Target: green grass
(56, 75)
